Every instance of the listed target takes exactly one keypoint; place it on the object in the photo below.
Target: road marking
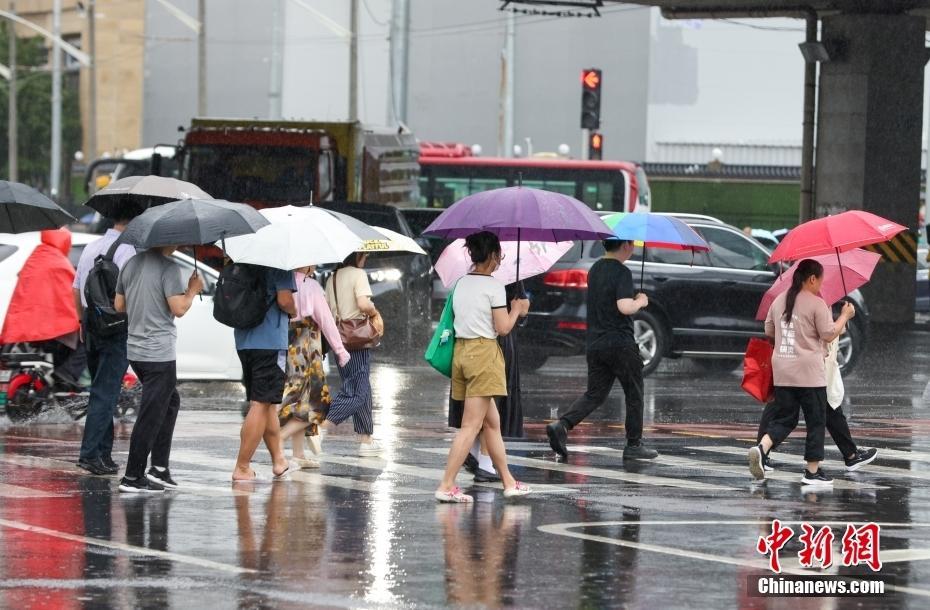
(127, 548)
(224, 464)
(606, 473)
(566, 529)
(434, 474)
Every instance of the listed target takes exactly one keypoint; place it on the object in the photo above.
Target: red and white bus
(449, 172)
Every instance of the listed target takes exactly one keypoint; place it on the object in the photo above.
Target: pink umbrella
(857, 268)
(535, 257)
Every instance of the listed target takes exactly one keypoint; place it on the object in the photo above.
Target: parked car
(419, 219)
(701, 306)
(401, 281)
(206, 349)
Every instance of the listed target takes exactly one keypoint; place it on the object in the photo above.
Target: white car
(206, 348)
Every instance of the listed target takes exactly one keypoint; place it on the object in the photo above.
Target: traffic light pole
(585, 143)
(12, 125)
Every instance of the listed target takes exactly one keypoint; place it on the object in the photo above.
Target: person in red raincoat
(42, 307)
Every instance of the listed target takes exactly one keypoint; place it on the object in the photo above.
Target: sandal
(520, 489)
(284, 475)
(453, 496)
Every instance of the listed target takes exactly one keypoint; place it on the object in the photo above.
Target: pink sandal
(453, 496)
(520, 489)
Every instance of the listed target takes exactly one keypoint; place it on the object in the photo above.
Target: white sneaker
(305, 464)
(372, 449)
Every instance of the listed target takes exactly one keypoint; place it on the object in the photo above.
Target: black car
(401, 282)
(701, 306)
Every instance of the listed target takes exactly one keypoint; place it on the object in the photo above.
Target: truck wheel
(651, 339)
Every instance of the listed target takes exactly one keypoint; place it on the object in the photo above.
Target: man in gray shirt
(151, 291)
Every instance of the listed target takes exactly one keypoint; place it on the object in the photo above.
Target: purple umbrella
(517, 213)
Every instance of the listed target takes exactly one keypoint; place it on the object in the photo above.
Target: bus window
(598, 195)
(447, 191)
(558, 186)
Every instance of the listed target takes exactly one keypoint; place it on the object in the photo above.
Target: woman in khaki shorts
(480, 307)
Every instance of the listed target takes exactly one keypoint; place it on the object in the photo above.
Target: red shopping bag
(757, 370)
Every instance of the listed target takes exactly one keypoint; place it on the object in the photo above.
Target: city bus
(449, 172)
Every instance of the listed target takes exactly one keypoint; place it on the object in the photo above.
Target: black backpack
(99, 291)
(241, 298)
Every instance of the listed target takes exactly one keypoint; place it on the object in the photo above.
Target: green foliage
(35, 114)
(761, 205)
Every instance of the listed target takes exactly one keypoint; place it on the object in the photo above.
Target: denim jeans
(107, 363)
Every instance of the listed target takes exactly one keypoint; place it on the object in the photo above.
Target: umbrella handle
(842, 277)
(642, 269)
(196, 271)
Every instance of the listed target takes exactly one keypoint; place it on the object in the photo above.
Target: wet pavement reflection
(366, 532)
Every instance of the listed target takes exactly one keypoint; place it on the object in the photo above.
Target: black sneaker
(483, 476)
(139, 486)
(816, 478)
(471, 463)
(94, 466)
(161, 478)
(558, 437)
(863, 457)
(639, 451)
(112, 467)
(767, 464)
(756, 455)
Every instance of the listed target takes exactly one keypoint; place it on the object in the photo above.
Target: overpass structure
(863, 114)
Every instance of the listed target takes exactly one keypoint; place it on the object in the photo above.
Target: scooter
(29, 386)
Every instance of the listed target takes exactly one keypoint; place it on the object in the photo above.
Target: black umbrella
(22, 209)
(129, 197)
(191, 222)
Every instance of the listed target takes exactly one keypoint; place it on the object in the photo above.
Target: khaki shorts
(478, 369)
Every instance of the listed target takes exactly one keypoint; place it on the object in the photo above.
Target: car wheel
(717, 365)
(850, 348)
(650, 339)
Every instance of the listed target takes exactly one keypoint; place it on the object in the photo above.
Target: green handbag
(442, 345)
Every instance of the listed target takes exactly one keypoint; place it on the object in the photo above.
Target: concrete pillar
(869, 135)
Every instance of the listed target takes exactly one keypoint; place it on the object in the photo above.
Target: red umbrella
(835, 234)
(857, 267)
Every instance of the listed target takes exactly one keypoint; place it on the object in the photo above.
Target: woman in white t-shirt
(479, 304)
(800, 322)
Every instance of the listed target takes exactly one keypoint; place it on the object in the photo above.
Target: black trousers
(604, 367)
(836, 425)
(789, 401)
(158, 413)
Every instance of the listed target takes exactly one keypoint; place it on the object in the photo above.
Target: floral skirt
(306, 395)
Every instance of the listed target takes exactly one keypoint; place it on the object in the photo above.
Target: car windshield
(733, 250)
(6, 250)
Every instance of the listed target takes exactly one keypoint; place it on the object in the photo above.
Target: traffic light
(590, 98)
(595, 146)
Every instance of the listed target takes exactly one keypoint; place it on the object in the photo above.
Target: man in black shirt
(612, 351)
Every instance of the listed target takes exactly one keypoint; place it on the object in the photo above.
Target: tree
(35, 111)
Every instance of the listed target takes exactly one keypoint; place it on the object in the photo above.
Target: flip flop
(284, 475)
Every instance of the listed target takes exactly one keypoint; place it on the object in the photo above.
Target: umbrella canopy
(857, 267)
(191, 222)
(363, 230)
(23, 209)
(536, 257)
(517, 213)
(133, 195)
(391, 241)
(297, 237)
(656, 231)
(835, 234)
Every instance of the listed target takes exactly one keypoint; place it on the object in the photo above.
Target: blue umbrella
(655, 231)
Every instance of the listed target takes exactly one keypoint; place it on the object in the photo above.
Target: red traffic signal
(595, 146)
(591, 98)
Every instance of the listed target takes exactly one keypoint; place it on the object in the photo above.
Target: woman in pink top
(801, 324)
(306, 395)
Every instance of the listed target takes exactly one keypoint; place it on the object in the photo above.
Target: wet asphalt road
(366, 533)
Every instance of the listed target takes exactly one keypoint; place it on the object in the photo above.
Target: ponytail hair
(807, 268)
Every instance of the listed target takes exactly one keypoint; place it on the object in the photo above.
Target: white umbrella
(392, 242)
(296, 237)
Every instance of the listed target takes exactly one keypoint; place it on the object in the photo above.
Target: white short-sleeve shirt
(474, 299)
